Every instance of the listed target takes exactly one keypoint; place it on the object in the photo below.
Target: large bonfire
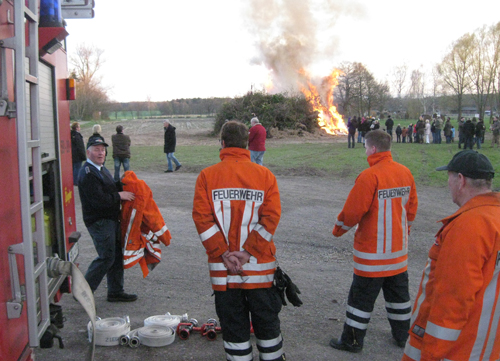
(322, 102)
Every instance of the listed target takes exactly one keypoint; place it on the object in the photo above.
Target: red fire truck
(37, 208)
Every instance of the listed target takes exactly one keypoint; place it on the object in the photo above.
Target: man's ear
(223, 145)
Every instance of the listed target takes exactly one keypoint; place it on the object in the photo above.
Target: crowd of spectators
(468, 132)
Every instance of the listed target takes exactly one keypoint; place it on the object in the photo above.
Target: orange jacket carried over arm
(456, 315)
(383, 203)
(237, 207)
(142, 225)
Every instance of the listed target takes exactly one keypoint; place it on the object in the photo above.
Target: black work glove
(292, 291)
(280, 284)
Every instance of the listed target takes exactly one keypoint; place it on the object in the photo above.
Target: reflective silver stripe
(380, 256)
(139, 251)
(381, 268)
(133, 257)
(247, 267)
(358, 313)
(248, 357)
(412, 352)
(263, 232)
(245, 222)
(250, 279)
(209, 233)
(487, 317)
(269, 343)
(421, 298)
(237, 345)
(404, 227)
(355, 324)
(271, 355)
(216, 266)
(380, 225)
(388, 224)
(398, 306)
(241, 279)
(218, 215)
(226, 215)
(218, 281)
(129, 227)
(341, 224)
(443, 333)
(161, 231)
(154, 251)
(399, 317)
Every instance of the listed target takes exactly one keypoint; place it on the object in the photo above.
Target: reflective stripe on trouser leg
(232, 309)
(397, 304)
(265, 305)
(362, 296)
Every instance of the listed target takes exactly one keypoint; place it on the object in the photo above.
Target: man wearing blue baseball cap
(101, 199)
(456, 315)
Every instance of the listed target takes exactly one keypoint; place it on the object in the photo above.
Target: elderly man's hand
(126, 196)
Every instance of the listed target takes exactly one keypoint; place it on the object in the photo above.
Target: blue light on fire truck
(50, 14)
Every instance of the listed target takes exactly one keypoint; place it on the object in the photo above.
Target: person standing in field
(382, 204)
(257, 141)
(121, 151)
(456, 315)
(236, 210)
(77, 151)
(495, 128)
(169, 147)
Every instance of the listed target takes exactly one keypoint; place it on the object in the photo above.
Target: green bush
(273, 110)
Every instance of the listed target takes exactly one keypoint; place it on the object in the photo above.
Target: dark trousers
(106, 236)
(362, 296)
(235, 308)
(76, 170)
(469, 142)
(350, 140)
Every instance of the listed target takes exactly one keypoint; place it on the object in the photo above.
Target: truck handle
(15, 306)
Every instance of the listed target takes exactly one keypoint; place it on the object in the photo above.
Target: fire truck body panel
(18, 331)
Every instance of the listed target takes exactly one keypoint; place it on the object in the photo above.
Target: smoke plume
(290, 36)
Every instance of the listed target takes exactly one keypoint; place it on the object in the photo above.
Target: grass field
(321, 159)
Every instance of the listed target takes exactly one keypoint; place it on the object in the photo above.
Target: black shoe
(169, 171)
(122, 297)
(178, 167)
(343, 346)
(400, 343)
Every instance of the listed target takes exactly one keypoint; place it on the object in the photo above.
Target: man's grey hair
(254, 120)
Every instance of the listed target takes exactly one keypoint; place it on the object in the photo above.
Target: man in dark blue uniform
(101, 198)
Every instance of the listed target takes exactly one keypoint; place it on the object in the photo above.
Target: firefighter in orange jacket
(456, 314)
(236, 210)
(383, 203)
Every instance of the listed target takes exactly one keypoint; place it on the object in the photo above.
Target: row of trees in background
(469, 75)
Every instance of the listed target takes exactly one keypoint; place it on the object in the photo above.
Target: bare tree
(399, 74)
(91, 96)
(454, 68)
(417, 93)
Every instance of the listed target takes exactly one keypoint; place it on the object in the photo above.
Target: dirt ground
(318, 263)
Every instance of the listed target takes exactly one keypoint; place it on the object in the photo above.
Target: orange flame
(328, 117)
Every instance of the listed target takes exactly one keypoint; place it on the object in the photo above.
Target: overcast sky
(167, 49)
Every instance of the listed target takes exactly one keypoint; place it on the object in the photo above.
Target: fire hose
(108, 331)
(152, 336)
(155, 333)
(80, 289)
(208, 329)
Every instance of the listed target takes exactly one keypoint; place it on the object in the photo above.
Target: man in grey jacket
(121, 151)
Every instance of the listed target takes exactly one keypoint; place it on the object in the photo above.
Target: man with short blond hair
(382, 204)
